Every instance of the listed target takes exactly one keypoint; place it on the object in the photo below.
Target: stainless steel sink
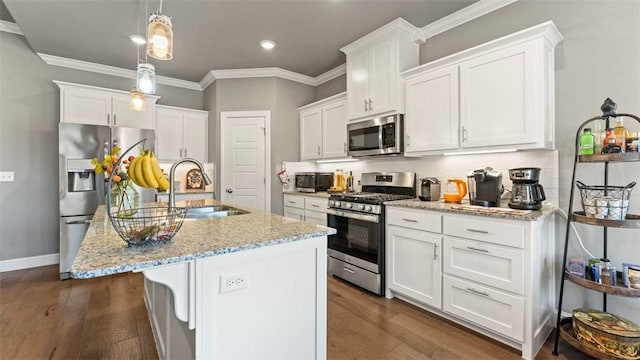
(213, 211)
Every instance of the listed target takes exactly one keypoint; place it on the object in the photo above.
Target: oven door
(358, 239)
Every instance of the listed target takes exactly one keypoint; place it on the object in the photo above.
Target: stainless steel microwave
(379, 136)
(314, 181)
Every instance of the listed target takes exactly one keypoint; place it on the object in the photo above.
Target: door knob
(229, 190)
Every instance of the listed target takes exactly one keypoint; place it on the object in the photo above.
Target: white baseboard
(29, 262)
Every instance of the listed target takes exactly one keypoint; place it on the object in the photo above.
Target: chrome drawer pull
(435, 252)
(314, 205)
(291, 202)
(478, 292)
(478, 231)
(410, 220)
(476, 249)
(348, 270)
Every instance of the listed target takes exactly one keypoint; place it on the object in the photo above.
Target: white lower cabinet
(306, 208)
(495, 276)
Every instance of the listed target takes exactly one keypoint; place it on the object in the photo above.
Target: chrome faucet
(172, 194)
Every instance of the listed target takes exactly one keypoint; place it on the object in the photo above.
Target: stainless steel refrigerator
(81, 190)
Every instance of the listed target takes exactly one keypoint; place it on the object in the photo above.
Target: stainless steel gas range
(356, 251)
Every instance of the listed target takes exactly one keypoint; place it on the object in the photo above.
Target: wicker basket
(148, 225)
(610, 202)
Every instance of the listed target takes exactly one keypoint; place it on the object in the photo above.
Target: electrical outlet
(6, 176)
(233, 282)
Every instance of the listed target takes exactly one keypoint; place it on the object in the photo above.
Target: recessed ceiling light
(267, 44)
(137, 39)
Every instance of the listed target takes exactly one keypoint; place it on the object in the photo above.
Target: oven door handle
(352, 215)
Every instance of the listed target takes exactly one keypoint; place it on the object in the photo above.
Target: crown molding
(331, 74)
(396, 25)
(8, 26)
(263, 72)
(113, 71)
(459, 17)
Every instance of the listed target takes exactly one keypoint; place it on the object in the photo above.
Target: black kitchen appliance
(356, 251)
(526, 192)
(485, 186)
(314, 181)
(430, 189)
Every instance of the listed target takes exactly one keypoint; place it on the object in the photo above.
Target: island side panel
(282, 311)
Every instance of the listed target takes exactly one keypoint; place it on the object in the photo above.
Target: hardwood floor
(105, 318)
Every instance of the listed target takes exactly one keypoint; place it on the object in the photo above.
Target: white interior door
(244, 158)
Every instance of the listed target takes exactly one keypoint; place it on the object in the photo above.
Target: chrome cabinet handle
(348, 270)
(365, 105)
(408, 140)
(345, 147)
(180, 152)
(464, 134)
(435, 252)
(301, 217)
(115, 121)
(185, 152)
(229, 190)
(478, 231)
(476, 249)
(370, 106)
(108, 119)
(410, 220)
(314, 205)
(291, 202)
(318, 149)
(478, 292)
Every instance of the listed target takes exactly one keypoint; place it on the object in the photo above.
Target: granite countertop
(503, 211)
(323, 194)
(103, 252)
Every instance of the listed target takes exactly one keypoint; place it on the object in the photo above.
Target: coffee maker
(485, 186)
(526, 193)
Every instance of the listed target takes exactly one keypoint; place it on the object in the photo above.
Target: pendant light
(138, 100)
(146, 78)
(160, 36)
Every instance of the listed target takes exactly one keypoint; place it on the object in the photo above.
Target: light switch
(6, 176)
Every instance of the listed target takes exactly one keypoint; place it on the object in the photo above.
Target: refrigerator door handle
(78, 222)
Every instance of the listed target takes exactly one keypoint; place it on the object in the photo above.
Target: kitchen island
(243, 286)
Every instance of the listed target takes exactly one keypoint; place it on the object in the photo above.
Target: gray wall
(29, 116)
(331, 87)
(598, 58)
(282, 98)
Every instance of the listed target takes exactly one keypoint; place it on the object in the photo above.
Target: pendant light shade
(146, 78)
(159, 37)
(138, 101)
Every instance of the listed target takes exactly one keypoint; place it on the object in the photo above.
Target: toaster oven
(314, 181)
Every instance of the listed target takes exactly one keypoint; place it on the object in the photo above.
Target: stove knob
(361, 207)
(369, 208)
(348, 205)
(336, 204)
(330, 202)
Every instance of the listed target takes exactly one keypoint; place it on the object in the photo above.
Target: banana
(147, 171)
(132, 172)
(139, 171)
(163, 182)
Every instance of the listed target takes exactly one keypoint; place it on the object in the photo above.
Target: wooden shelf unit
(631, 221)
(618, 290)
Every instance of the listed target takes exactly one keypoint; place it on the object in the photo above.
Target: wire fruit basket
(149, 225)
(610, 202)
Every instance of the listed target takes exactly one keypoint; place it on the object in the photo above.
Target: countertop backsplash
(457, 166)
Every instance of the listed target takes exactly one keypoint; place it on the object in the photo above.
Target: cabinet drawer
(414, 219)
(316, 204)
(294, 213)
(295, 201)
(494, 265)
(498, 232)
(492, 309)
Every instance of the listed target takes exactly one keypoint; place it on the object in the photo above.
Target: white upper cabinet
(83, 104)
(323, 129)
(181, 133)
(495, 96)
(374, 63)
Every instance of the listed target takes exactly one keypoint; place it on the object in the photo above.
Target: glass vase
(125, 199)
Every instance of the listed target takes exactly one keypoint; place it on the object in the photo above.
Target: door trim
(228, 116)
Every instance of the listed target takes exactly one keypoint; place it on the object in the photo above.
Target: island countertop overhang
(103, 252)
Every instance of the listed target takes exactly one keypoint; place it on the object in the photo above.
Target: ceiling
(216, 34)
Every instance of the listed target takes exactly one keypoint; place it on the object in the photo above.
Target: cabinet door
(311, 134)
(431, 121)
(195, 136)
(124, 116)
(383, 77)
(334, 130)
(294, 213)
(316, 217)
(497, 95)
(357, 84)
(81, 106)
(413, 268)
(168, 134)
